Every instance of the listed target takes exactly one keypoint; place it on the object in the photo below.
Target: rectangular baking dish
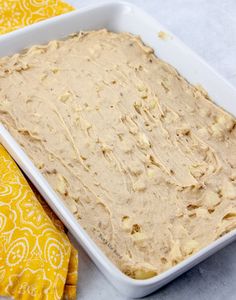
(118, 17)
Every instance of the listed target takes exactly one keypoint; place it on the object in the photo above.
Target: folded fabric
(15, 14)
(72, 275)
(35, 255)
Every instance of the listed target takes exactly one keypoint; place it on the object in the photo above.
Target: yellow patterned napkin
(72, 275)
(15, 14)
(37, 260)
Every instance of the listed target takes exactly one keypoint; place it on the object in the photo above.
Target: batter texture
(144, 160)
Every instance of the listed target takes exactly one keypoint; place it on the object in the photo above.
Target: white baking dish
(118, 16)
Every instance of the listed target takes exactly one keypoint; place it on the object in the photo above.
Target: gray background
(209, 28)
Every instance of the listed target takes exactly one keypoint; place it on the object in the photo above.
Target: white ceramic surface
(119, 18)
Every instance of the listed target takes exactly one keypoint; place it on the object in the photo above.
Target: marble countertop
(209, 28)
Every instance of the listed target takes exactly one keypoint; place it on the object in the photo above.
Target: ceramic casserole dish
(117, 17)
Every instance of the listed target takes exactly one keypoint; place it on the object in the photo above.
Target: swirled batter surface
(145, 161)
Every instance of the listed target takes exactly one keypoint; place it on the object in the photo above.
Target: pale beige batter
(145, 161)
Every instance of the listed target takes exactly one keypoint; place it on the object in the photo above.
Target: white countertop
(209, 28)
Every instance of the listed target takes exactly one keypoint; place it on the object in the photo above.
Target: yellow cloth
(15, 14)
(72, 275)
(34, 254)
